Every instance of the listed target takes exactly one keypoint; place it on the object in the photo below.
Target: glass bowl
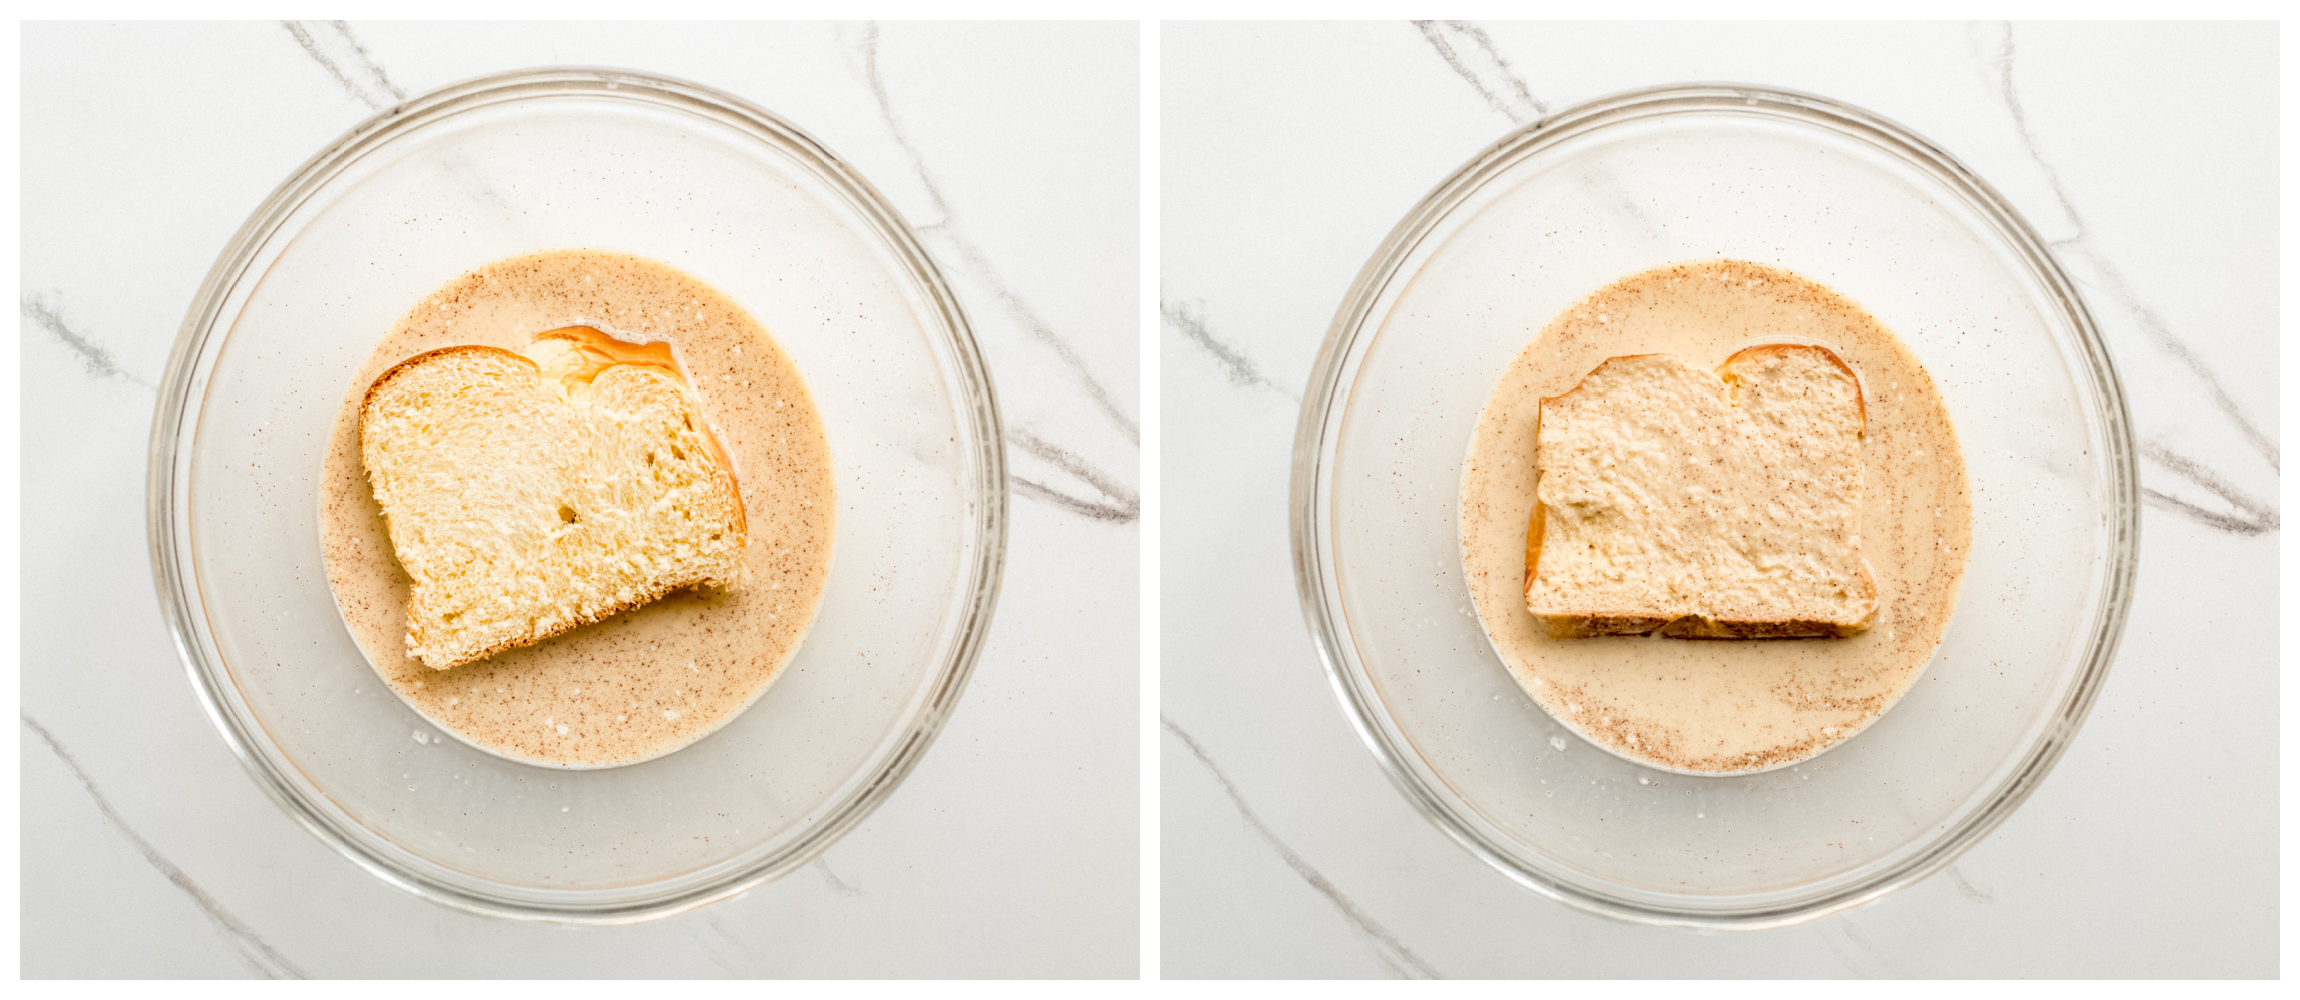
(537, 160)
(1611, 188)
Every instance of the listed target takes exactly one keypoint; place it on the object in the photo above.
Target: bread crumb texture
(1703, 505)
(1877, 492)
(613, 559)
(523, 506)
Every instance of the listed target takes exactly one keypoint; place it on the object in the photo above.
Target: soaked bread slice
(1700, 505)
(530, 493)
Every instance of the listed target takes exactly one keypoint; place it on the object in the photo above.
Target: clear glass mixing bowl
(1611, 188)
(530, 161)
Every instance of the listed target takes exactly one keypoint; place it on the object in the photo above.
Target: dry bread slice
(1702, 505)
(528, 494)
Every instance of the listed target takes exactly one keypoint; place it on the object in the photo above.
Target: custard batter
(651, 680)
(1725, 706)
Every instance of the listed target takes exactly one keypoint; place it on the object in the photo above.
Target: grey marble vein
(1122, 505)
(1387, 949)
(2113, 282)
(2253, 516)
(726, 942)
(332, 45)
(712, 953)
(100, 363)
(1471, 52)
(833, 881)
(978, 265)
(1191, 324)
(259, 956)
(1965, 888)
(1861, 954)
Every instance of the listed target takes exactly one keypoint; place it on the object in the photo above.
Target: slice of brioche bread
(1722, 506)
(528, 494)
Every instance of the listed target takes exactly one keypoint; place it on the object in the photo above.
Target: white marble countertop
(1010, 851)
(2147, 153)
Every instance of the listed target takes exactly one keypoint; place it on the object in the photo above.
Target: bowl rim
(1325, 402)
(175, 420)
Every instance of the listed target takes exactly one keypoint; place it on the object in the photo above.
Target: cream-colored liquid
(651, 680)
(1725, 706)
